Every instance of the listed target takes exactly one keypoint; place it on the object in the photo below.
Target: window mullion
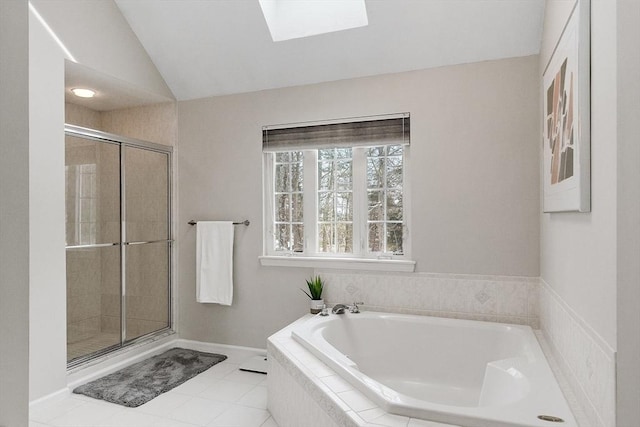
(289, 190)
(385, 216)
(359, 180)
(334, 196)
(406, 202)
(269, 191)
(310, 201)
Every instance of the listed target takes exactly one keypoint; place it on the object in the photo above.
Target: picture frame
(566, 118)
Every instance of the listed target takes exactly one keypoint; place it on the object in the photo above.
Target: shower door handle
(96, 245)
(147, 242)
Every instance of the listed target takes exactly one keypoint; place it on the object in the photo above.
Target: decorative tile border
(506, 299)
(587, 361)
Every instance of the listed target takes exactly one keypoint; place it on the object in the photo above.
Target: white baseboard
(52, 397)
(235, 354)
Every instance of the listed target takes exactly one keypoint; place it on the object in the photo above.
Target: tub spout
(339, 308)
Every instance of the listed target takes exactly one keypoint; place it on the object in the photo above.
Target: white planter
(315, 306)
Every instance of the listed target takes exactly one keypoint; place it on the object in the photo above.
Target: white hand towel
(214, 262)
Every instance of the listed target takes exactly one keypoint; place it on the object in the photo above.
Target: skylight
(292, 19)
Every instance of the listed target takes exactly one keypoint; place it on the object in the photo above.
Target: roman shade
(367, 131)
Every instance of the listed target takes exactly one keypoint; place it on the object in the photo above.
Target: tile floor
(222, 396)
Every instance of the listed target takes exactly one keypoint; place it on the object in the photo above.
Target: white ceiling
(215, 47)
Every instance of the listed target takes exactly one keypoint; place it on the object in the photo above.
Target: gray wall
(578, 250)
(14, 213)
(47, 329)
(474, 180)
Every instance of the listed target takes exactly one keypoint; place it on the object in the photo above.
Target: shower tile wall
(83, 296)
(147, 300)
(81, 116)
(155, 123)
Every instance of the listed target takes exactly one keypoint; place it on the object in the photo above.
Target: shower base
(92, 344)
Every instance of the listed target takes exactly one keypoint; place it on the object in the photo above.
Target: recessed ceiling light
(83, 93)
(292, 19)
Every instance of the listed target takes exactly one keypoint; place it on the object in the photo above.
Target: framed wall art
(566, 114)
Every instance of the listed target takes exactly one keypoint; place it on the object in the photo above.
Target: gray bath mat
(141, 382)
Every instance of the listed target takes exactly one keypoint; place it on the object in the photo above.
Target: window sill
(339, 263)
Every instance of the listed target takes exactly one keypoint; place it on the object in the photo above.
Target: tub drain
(551, 418)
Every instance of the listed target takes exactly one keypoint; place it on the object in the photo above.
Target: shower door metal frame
(124, 142)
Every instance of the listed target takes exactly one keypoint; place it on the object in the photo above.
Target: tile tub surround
(584, 358)
(504, 299)
(301, 388)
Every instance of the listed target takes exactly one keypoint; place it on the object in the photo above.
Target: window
(288, 202)
(335, 200)
(337, 190)
(385, 220)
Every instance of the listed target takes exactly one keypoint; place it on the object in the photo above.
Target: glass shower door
(93, 246)
(146, 236)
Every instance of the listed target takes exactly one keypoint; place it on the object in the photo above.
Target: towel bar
(245, 222)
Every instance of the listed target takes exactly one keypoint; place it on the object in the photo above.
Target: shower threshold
(105, 345)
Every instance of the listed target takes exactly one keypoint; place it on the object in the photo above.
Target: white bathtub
(468, 373)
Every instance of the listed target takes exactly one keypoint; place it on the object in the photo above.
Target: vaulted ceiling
(216, 47)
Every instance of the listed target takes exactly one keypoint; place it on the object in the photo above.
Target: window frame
(361, 258)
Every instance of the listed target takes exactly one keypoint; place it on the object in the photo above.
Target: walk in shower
(118, 237)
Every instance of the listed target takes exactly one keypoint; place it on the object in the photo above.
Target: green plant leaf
(315, 286)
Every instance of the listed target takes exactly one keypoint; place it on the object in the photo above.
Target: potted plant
(315, 294)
